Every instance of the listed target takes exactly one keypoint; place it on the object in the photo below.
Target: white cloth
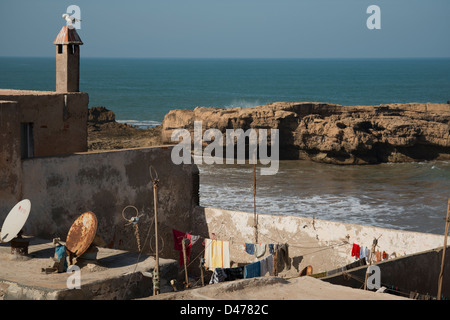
(260, 250)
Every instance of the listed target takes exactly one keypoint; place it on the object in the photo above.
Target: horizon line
(239, 58)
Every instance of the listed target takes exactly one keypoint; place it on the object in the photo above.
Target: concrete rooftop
(17, 92)
(114, 272)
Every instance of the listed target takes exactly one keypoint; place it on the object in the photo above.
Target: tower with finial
(67, 59)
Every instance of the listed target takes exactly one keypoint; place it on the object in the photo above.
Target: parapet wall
(324, 245)
(63, 187)
(59, 120)
(10, 171)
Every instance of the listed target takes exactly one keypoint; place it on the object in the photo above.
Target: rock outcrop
(105, 133)
(333, 133)
(100, 115)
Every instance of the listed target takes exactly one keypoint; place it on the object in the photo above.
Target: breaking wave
(141, 124)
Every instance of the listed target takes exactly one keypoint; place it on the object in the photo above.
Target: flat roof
(17, 92)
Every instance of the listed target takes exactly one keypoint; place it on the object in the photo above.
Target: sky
(231, 28)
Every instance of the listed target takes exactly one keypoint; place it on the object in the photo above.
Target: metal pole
(202, 262)
(374, 245)
(441, 274)
(255, 216)
(156, 270)
(183, 244)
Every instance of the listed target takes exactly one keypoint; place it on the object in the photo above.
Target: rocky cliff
(334, 133)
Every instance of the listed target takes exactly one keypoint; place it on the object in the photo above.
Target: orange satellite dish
(81, 233)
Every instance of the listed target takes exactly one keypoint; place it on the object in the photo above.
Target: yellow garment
(217, 254)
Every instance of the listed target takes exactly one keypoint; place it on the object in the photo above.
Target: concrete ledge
(115, 275)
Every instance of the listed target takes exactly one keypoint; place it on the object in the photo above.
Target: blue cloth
(252, 270)
(61, 254)
(250, 248)
(271, 248)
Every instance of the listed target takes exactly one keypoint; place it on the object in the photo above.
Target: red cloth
(356, 249)
(178, 236)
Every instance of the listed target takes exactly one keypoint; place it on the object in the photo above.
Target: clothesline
(300, 246)
(217, 256)
(178, 236)
(360, 252)
(181, 235)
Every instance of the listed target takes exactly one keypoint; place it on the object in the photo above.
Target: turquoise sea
(146, 89)
(141, 91)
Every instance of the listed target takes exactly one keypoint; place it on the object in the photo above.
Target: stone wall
(10, 168)
(59, 120)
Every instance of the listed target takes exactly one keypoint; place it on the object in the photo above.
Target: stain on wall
(63, 187)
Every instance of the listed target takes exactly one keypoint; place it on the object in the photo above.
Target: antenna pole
(155, 203)
(183, 244)
(255, 216)
(441, 274)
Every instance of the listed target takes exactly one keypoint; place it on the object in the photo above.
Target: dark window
(70, 48)
(26, 140)
(60, 48)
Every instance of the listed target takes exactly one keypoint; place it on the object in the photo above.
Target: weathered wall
(417, 272)
(59, 123)
(62, 188)
(325, 245)
(68, 68)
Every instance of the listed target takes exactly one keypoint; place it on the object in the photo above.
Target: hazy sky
(231, 28)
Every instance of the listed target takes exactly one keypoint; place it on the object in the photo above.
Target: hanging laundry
(385, 255)
(260, 250)
(266, 265)
(367, 253)
(60, 253)
(256, 249)
(218, 275)
(252, 270)
(194, 239)
(226, 254)
(271, 248)
(250, 248)
(378, 256)
(217, 254)
(356, 250)
(362, 252)
(208, 253)
(234, 273)
(282, 252)
(226, 274)
(178, 237)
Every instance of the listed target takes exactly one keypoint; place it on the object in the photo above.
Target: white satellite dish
(15, 220)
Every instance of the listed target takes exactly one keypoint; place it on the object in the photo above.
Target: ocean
(409, 196)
